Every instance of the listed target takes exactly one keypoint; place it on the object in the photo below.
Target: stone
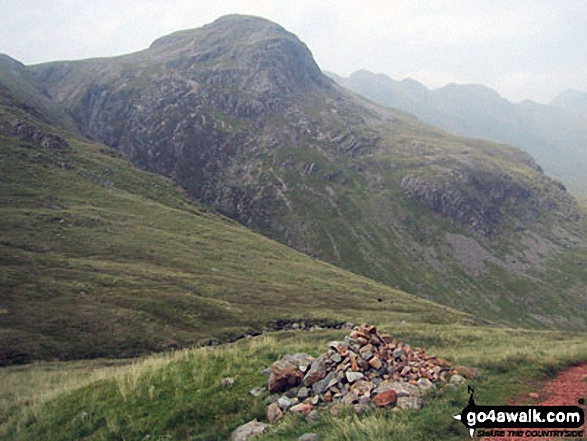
(362, 341)
(350, 398)
(274, 413)
(399, 353)
(285, 403)
(321, 386)
(313, 416)
(284, 375)
(303, 408)
(360, 408)
(312, 400)
(353, 376)
(249, 430)
(457, 380)
(448, 387)
(386, 338)
(367, 351)
(303, 393)
(272, 398)
(316, 373)
(292, 393)
(375, 362)
(385, 398)
(401, 388)
(335, 344)
(256, 391)
(534, 395)
(442, 362)
(425, 384)
(354, 365)
(468, 373)
(362, 387)
(405, 371)
(409, 403)
(228, 381)
(365, 368)
(309, 437)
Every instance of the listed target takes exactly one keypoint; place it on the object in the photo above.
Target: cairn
(366, 369)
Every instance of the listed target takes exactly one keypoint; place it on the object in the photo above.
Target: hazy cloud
(524, 49)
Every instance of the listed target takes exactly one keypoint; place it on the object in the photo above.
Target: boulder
(274, 413)
(385, 398)
(284, 375)
(249, 430)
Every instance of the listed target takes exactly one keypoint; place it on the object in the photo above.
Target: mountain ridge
(553, 134)
(301, 160)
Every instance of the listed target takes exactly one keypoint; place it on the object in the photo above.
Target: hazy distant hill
(240, 115)
(572, 101)
(555, 135)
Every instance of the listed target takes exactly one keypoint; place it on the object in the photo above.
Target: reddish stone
(284, 376)
(303, 408)
(469, 373)
(385, 398)
(442, 362)
(354, 365)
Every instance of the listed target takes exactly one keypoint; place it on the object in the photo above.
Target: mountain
(18, 91)
(239, 114)
(556, 134)
(571, 101)
(101, 259)
(256, 131)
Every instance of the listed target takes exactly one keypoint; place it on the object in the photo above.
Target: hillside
(239, 114)
(180, 396)
(553, 134)
(100, 259)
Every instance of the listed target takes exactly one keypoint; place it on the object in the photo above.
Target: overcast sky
(522, 48)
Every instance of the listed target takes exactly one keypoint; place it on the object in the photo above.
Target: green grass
(99, 259)
(179, 396)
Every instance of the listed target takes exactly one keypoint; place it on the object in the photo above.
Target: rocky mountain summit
(240, 115)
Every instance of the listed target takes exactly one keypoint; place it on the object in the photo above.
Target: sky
(524, 49)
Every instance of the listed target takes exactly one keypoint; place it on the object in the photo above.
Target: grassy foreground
(179, 395)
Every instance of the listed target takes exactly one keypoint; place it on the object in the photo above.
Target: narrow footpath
(569, 388)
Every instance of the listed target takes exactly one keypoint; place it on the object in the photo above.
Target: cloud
(526, 48)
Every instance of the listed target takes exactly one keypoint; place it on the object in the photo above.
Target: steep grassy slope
(18, 90)
(553, 134)
(98, 258)
(239, 114)
(179, 396)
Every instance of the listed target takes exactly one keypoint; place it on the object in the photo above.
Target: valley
(164, 212)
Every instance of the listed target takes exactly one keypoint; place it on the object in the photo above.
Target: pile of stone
(367, 369)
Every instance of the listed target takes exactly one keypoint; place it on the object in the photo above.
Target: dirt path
(565, 390)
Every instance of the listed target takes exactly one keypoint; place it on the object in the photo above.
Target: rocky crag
(240, 115)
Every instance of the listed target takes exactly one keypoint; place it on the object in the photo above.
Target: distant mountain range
(239, 115)
(571, 101)
(555, 134)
